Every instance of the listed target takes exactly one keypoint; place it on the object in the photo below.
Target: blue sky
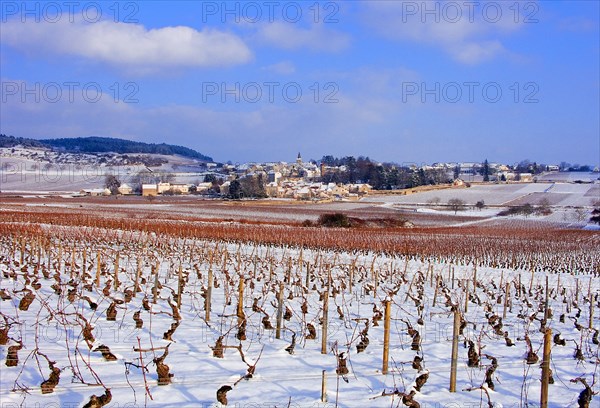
(401, 81)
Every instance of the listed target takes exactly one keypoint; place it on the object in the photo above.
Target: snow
(569, 176)
(500, 194)
(281, 378)
(35, 170)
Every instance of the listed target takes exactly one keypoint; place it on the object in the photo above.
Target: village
(300, 180)
(347, 178)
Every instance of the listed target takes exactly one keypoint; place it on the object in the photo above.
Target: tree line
(12, 141)
(108, 144)
(102, 145)
(381, 176)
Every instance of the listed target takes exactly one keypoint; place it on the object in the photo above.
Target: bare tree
(544, 207)
(456, 204)
(143, 177)
(112, 183)
(581, 214)
(166, 177)
(434, 201)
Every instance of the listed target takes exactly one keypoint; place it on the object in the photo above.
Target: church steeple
(299, 159)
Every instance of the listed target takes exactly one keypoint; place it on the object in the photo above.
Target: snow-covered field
(25, 175)
(566, 177)
(72, 294)
(22, 172)
(502, 194)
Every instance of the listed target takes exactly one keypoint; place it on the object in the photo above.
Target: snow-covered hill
(41, 170)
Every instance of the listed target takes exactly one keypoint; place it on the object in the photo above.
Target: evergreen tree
(235, 190)
(456, 172)
(486, 171)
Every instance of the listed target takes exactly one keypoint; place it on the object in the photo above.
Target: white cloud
(129, 46)
(292, 37)
(470, 36)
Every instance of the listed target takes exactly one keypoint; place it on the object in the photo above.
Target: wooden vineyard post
(22, 257)
(73, 263)
(138, 272)
(13, 246)
(98, 268)
(325, 317)
(116, 271)
(60, 255)
(307, 282)
(546, 368)
(375, 281)
(240, 306)
(155, 287)
(225, 258)
(546, 302)
(279, 311)
(288, 277)
(208, 294)
(430, 273)
(466, 296)
(300, 263)
(23, 248)
(351, 276)
(324, 386)
(591, 322)
(84, 262)
(452, 276)
(454, 362)
(49, 254)
(39, 255)
(386, 337)
(179, 287)
(374, 277)
(531, 281)
(506, 296)
(35, 256)
(320, 267)
(435, 293)
(475, 278)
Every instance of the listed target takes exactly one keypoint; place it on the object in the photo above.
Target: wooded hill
(96, 144)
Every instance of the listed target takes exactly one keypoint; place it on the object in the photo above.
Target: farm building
(149, 190)
(95, 192)
(180, 188)
(125, 189)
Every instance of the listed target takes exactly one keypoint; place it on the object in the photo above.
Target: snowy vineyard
(97, 317)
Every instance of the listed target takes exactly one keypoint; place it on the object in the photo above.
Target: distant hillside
(102, 145)
(11, 141)
(107, 144)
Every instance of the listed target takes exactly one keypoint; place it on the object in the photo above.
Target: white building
(125, 189)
